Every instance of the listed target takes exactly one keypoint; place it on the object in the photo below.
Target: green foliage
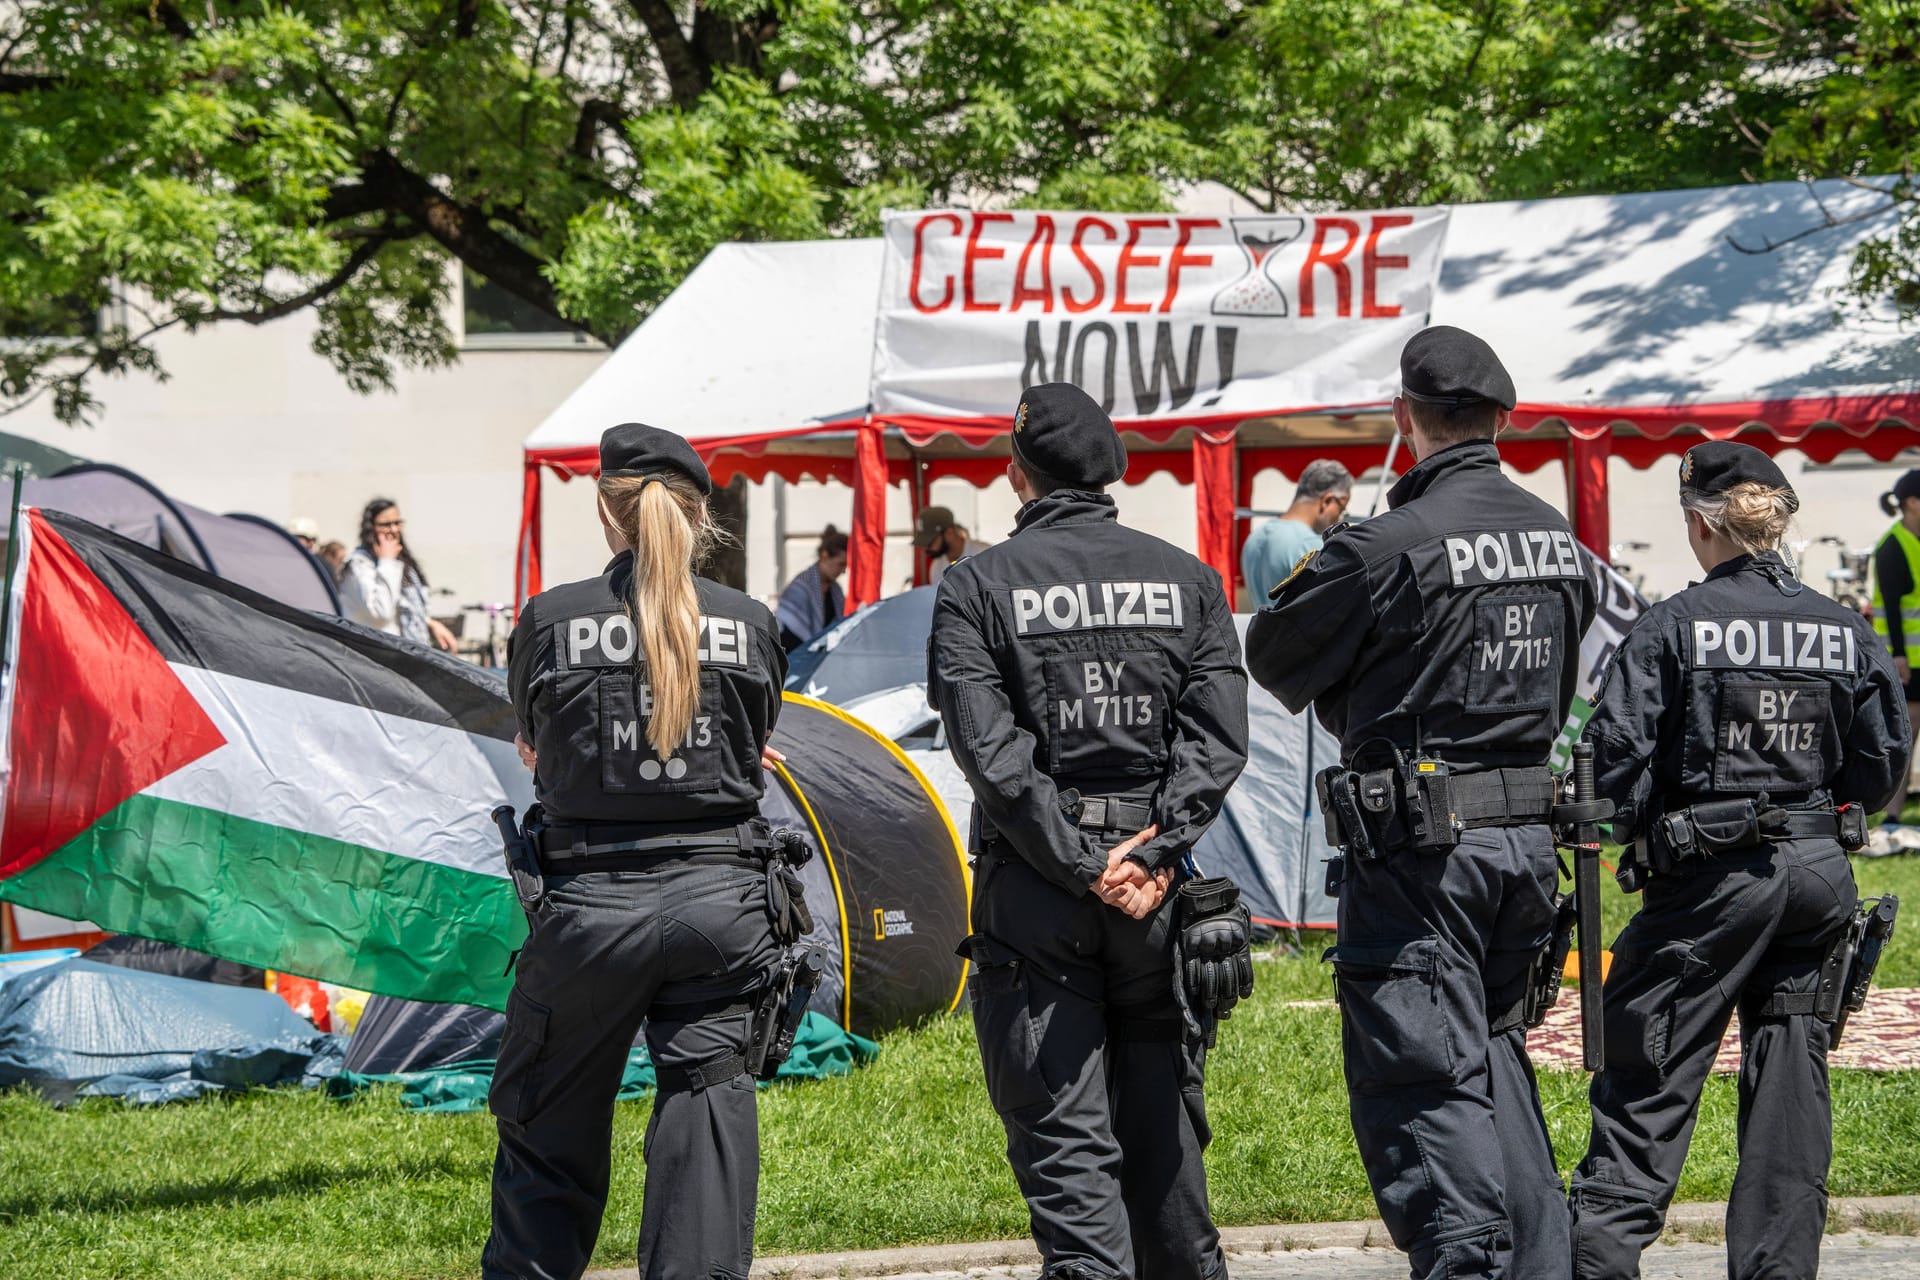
(292, 1185)
(244, 161)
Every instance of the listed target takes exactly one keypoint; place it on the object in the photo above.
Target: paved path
(1855, 1256)
(1357, 1251)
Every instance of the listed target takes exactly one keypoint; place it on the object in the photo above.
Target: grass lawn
(293, 1185)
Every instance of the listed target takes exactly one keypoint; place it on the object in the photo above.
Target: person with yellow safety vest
(1896, 604)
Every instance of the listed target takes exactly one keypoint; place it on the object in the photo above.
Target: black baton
(1586, 903)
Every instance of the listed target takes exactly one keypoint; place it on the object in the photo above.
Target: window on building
(72, 315)
(495, 317)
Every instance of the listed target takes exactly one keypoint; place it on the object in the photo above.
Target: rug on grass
(1883, 1036)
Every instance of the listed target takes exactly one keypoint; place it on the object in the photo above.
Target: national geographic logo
(890, 924)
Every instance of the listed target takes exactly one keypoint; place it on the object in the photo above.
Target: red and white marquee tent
(1633, 325)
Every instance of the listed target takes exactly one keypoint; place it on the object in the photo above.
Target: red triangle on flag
(98, 715)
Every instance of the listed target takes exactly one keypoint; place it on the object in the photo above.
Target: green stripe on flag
(284, 899)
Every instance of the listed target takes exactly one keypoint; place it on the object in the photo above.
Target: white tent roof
(760, 337)
(1596, 301)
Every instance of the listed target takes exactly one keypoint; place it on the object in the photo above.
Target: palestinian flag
(188, 760)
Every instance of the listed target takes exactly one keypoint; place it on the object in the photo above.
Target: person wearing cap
(305, 532)
(1089, 679)
(1742, 729)
(1440, 642)
(645, 697)
(944, 542)
(1896, 605)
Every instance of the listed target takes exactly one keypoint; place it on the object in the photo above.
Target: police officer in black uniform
(1089, 678)
(647, 695)
(1743, 729)
(1440, 643)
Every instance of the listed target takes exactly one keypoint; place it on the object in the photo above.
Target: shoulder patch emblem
(1299, 566)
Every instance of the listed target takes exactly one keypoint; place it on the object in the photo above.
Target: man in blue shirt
(1276, 546)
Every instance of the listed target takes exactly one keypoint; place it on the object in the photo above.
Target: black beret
(1059, 430)
(635, 449)
(1907, 486)
(1718, 465)
(1448, 366)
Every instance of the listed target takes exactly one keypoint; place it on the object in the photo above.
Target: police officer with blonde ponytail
(1896, 602)
(1743, 729)
(645, 697)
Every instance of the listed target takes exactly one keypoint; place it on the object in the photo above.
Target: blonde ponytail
(1752, 516)
(665, 519)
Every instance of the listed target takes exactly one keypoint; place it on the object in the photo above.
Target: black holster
(782, 1005)
(1379, 811)
(523, 863)
(1549, 965)
(1847, 972)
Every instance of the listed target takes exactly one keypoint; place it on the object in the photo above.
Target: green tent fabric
(820, 1049)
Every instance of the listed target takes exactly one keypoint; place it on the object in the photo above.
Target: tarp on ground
(78, 1023)
(248, 550)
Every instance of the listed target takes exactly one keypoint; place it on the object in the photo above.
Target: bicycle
(1847, 582)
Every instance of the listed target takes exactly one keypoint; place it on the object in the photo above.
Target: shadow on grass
(221, 1191)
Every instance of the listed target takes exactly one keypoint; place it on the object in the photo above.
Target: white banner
(1158, 316)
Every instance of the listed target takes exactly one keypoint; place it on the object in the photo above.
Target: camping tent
(241, 548)
(1634, 324)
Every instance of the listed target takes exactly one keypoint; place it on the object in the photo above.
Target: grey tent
(17, 453)
(882, 646)
(245, 549)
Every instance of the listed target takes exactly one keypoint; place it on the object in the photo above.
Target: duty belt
(567, 849)
(1107, 813)
(1502, 797)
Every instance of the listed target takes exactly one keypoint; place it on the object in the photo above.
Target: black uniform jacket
(1081, 654)
(1450, 624)
(1743, 683)
(584, 706)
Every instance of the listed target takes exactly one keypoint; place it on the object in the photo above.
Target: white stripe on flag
(323, 767)
(15, 606)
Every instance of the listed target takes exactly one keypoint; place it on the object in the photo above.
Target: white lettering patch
(1089, 606)
(1484, 559)
(1776, 644)
(609, 640)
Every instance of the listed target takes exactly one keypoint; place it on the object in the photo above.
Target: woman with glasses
(382, 585)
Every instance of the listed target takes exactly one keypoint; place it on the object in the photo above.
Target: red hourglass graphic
(1256, 293)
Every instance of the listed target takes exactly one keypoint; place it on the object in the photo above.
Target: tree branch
(462, 229)
(15, 82)
(167, 15)
(359, 258)
(1769, 244)
(595, 114)
(687, 76)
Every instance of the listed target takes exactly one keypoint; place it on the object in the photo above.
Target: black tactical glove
(1216, 946)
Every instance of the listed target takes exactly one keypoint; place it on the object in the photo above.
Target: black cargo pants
(1091, 1071)
(1707, 943)
(1433, 948)
(608, 949)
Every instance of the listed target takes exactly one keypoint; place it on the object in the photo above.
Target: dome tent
(888, 890)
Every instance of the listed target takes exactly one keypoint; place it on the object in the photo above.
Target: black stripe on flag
(197, 619)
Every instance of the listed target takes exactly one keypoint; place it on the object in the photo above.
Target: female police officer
(1741, 728)
(647, 694)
